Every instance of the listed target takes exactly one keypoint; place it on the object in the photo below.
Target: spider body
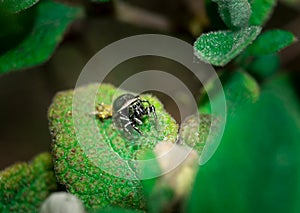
(129, 111)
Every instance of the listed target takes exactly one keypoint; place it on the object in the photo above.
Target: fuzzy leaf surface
(219, 48)
(96, 165)
(24, 186)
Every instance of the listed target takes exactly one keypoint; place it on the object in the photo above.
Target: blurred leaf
(256, 167)
(264, 66)
(97, 165)
(23, 186)
(154, 198)
(218, 48)
(51, 22)
(15, 6)
(177, 166)
(261, 11)
(117, 210)
(270, 42)
(239, 88)
(14, 27)
(234, 13)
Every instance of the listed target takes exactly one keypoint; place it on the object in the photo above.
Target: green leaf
(239, 88)
(261, 11)
(51, 22)
(270, 42)
(218, 48)
(256, 167)
(235, 14)
(118, 210)
(15, 6)
(14, 27)
(178, 176)
(96, 163)
(264, 66)
(23, 186)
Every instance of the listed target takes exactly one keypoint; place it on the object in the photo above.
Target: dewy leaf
(261, 11)
(218, 48)
(234, 13)
(23, 186)
(93, 159)
(51, 22)
(15, 6)
(239, 88)
(256, 167)
(270, 42)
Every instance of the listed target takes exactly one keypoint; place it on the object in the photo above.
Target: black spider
(129, 111)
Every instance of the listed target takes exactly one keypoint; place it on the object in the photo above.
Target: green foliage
(118, 210)
(264, 66)
(261, 11)
(270, 42)
(239, 88)
(14, 27)
(23, 186)
(155, 197)
(256, 167)
(81, 167)
(235, 14)
(218, 48)
(51, 21)
(15, 6)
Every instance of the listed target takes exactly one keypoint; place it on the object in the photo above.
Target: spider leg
(140, 111)
(151, 109)
(146, 101)
(138, 121)
(136, 129)
(126, 127)
(123, 116)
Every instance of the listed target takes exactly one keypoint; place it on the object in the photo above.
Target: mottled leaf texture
(234, 13)
(89, 164)
(15, 6)
(24, 186)
(261, 11)
(52, 20)
(256, 166)
(218, 48)
(271, 42)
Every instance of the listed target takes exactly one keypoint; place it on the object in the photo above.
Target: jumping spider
(129, 111)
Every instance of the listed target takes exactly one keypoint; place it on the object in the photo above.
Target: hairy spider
(129, 111)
